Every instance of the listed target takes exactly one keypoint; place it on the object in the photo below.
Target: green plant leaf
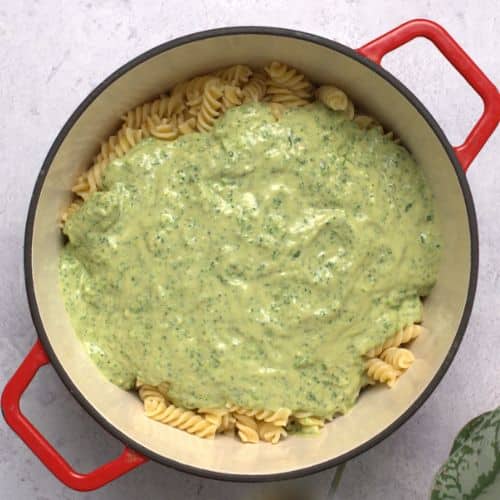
(473, 468)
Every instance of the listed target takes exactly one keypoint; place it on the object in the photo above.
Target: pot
(379, 412)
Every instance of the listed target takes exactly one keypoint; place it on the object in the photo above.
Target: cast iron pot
(379, 412)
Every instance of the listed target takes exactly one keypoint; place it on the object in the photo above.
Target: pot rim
(28, 241)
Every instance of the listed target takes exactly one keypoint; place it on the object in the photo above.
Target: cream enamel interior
(378, 407)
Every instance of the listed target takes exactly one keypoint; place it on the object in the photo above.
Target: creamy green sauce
(254, 264)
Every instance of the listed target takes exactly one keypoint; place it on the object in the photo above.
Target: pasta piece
(283, 76)
(278, 417)
(336, 100)
(402, 337)
(157, 408)
(382, 372)
(151, 391)
(232, 96)
(228, 423)
(255, 89)
(75, 205)
(285, 96)
(176, 103)
(398, 357)
(392, 137)
(137, 116)
(210, 106)
(161, 128)
(277, 109)
(366, 122)
(247, 428)
(194, 89)
(271, 433)
(235, 75)
(214, 416)
(309, 423)
(116, 146)
(187, 126)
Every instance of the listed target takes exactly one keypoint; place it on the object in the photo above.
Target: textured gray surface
(52, 53)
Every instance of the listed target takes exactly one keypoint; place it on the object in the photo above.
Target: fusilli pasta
(402, 337)
(271, 433)
(285, 77)
(235, 75)
(137, 116)
(398, 357)
(382, 372)
(116, 146)
(210, 106)
(255, 89)
(247, 428)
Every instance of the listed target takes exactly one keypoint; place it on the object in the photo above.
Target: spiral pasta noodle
(285, 97)
(398, 357)
(161, 128)
(278, 417)
(309, 423)
(235, 75)
(255, 89)
(137, 116)
(270, 432)
(285, 77)
(402, 337)
(215, 416)
(232, 96)
(115, 147)
(382, 372)
(277, 109)
(335, 99)
(210, 106)
(186, 420)
(75, 205)
(247, 428)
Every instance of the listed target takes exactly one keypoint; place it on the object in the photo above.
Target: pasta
(382, 372)
(75, 205)
(309, 423)
(278, 417)
(402, 337)
(255, 89)
(232, 96)
(398, 357)
(194, 106)
(283, 77)
(116, 146)
(137, 117)
(277, 109)
(161, 128)
(335, 99)
(271, 433)
(247, 428)
(210, 106)
(157, 408)
(235, 75)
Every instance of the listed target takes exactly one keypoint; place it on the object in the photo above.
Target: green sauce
(254, 264)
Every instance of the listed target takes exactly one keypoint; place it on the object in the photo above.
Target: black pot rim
(58, 366)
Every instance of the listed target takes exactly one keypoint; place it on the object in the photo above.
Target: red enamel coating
(11, 396)
(378, 48)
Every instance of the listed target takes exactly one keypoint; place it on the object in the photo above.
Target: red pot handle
(378, 48)
(128, 460)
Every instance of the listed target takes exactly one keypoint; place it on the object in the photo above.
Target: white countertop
(53, 53)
